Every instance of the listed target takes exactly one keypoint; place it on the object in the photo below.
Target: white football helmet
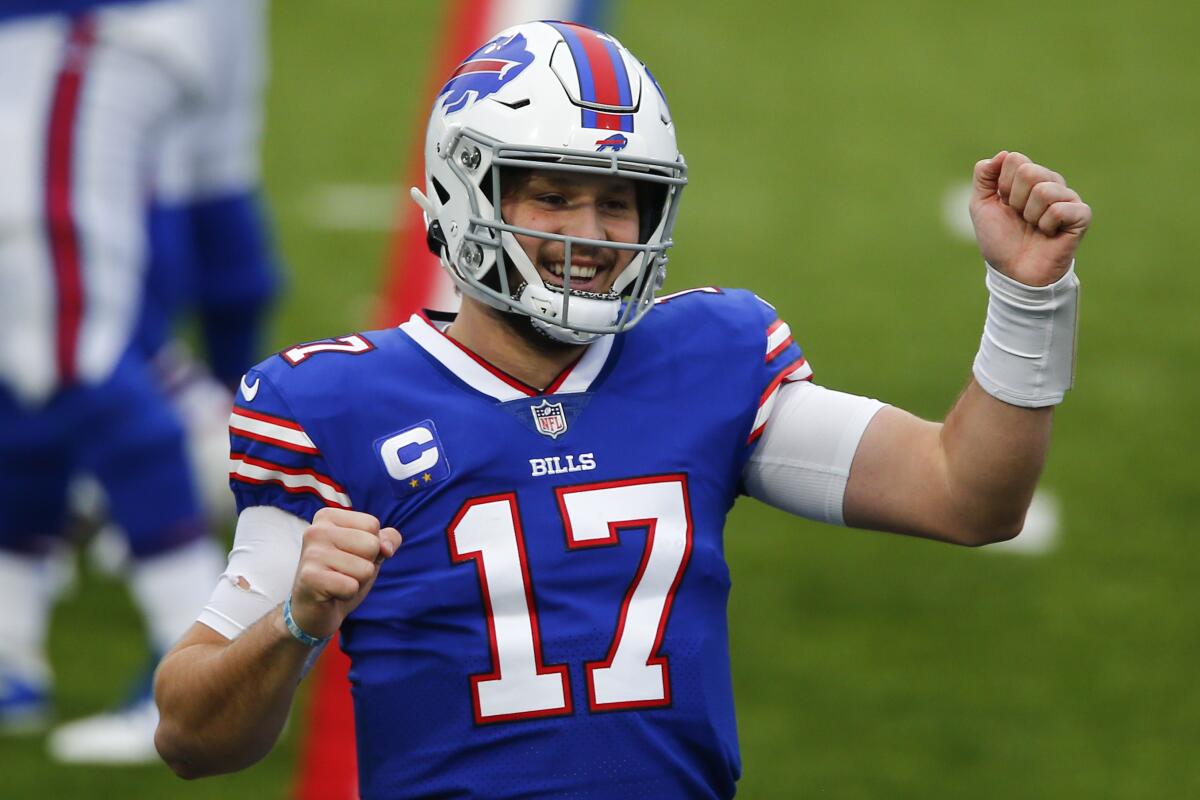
(550, 96)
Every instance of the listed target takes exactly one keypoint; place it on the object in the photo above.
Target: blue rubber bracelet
(297, 632)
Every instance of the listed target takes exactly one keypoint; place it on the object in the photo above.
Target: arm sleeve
(803, 457)
(783, 364)
(273, 461)
(260, 572)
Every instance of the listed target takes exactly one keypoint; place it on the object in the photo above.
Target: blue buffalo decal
(617, 142)
(485, 72)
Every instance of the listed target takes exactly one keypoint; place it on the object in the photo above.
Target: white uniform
(83, 101)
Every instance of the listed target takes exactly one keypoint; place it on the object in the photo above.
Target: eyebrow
(560, 180)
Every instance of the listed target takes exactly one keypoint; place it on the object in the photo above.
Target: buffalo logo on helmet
(550, 419)
(485, 72)
(617, 142)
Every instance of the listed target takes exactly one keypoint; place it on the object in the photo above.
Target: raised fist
(340, 558)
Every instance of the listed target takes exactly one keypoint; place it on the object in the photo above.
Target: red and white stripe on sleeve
(271, 450)
(785, 363)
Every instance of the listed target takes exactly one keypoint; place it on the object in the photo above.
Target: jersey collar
(481, 376)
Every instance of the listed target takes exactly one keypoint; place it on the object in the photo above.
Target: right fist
(339, 561)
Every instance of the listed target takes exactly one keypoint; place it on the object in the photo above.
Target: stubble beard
(522, 325)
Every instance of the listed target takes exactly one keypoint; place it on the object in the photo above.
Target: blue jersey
(554, 624)
(30, 8)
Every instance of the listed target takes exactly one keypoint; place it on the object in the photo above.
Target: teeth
(583, 273)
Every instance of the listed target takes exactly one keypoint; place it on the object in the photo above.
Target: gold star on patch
(413, 483)
(427, 477)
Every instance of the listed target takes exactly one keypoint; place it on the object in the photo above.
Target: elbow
(980, 532)
(175, 738)
(991, 536)
(173, 754)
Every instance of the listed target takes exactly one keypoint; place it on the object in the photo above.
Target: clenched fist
(1027, 220)
(339, 561)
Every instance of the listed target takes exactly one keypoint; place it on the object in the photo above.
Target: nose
(585, 222)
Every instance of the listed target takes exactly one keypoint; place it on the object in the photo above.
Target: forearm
(992, 455)
(967, 481)
(223, 703)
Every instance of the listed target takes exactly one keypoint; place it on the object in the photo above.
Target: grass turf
(820, 140)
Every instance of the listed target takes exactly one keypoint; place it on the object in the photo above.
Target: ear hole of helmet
(443, 195)
(651, 201)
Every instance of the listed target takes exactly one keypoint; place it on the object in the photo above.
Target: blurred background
(829, 147)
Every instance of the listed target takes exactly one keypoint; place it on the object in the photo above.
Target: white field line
(955, 214)
(355, 207)
(1042, 528)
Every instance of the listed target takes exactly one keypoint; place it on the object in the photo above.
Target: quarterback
(560, 456)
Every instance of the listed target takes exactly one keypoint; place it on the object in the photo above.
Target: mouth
(585, 277)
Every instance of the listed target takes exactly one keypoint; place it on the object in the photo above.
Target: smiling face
(599, 207)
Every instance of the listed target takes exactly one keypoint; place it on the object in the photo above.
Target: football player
(99, 84)
(560, 457)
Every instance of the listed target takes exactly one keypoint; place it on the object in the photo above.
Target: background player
(967, 481)
(209, 255)
(77, 389)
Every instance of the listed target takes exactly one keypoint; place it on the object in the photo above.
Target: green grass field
(821, 140)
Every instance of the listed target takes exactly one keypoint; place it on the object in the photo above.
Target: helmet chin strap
(586, 308)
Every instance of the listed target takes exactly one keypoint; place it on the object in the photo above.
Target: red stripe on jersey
(258, 415)
(562, 376)
(268, 465)
(515, 383)
(774, 326)
(289, 489)
(770, 391)
(780, 378)
(771, 356)
(271, 465)
(258, 437)
(59, 200)
(757, 432)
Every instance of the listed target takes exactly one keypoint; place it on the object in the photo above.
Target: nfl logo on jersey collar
(549, 418)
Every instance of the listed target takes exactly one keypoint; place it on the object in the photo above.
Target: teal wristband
(297, 632)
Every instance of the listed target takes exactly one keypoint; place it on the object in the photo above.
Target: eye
(616, 205)
(551, 198)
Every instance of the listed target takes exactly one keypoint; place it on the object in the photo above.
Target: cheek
(528, 244)
(626, 231)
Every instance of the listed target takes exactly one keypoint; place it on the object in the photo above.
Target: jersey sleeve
(273, 459)
(782, 362)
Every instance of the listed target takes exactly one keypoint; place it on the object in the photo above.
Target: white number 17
(487, 530)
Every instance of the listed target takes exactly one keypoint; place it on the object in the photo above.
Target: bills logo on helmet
(485, 72)
(617, 142)
(550, 419)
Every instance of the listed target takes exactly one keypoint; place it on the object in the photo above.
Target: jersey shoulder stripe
(796, 370)
(274, 460)
(294, 480)
(271, 430)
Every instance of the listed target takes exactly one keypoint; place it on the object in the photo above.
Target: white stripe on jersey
(288, 438)
(799, 372)
(581, 377)
(263, 472)
(778, 337)
(482, 378)
(466, 368)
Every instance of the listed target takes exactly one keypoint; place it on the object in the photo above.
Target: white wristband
(1027, 354)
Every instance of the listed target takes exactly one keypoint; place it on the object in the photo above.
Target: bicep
(898, 481)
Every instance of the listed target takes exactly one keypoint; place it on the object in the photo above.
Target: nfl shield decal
(549, 419)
